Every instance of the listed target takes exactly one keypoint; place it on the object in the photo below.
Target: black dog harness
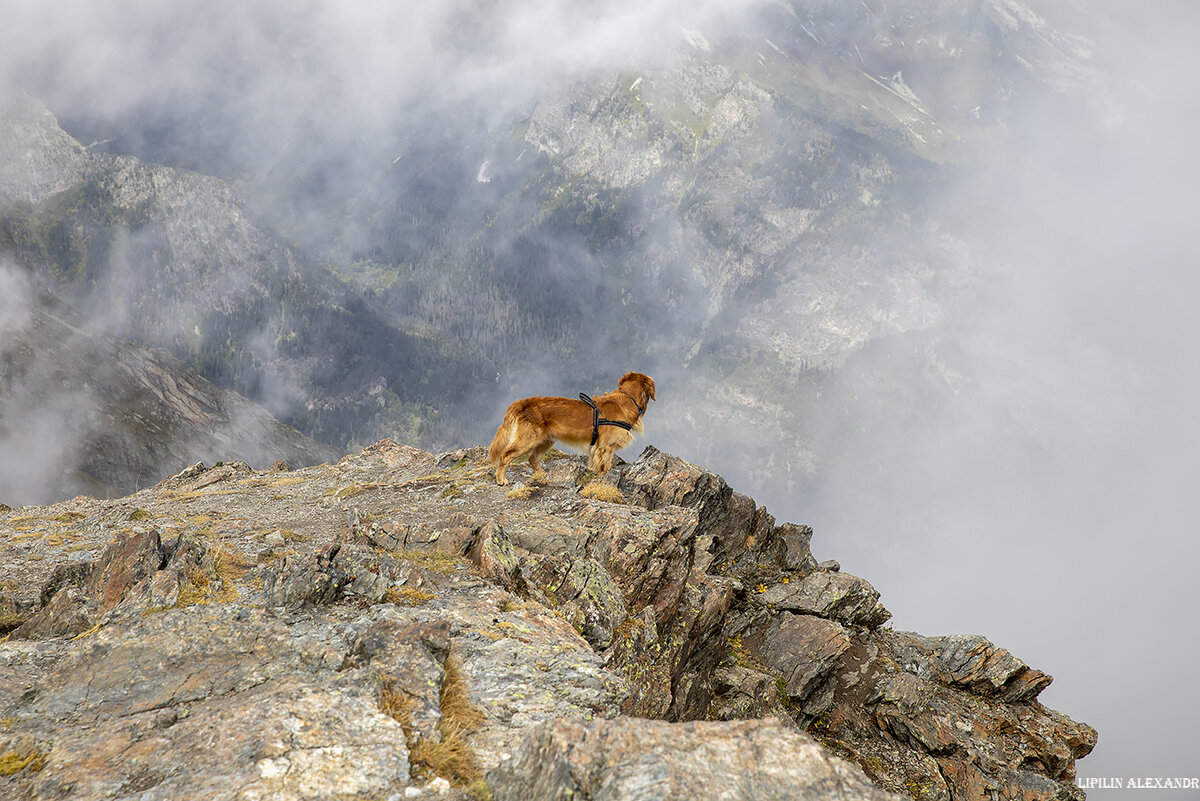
(598, 421)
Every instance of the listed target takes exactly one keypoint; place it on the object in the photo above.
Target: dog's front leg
(600, 458)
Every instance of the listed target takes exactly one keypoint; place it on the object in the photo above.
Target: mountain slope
(168, 258)
(82, 412)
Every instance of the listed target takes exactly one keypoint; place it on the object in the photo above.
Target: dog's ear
(642, 380)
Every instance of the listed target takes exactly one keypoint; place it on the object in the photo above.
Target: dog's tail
(503, 438)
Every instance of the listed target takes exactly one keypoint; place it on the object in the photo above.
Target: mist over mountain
(87, 413)
(915, 272)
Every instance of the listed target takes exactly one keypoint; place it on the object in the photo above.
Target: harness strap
(598, 421)
(641, 411)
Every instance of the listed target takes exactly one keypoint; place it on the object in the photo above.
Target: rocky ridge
(396, 625)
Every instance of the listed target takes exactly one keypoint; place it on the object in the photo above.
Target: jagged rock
(648, 554)
(95, 588)
(584, 592)
(838, 596)
(134, 575)
(660, 479)
(68, 612)
(222, 471)
(644, 658)
(804, 649)
(71, 573)
(123, 566)
(308, 579)
(972, 662)
(992, 742)
(795, 542)
(411, 662)
(739, 537)
(745, 693)
(983, 668)
(628, 759)
(902, 708)
(494, 555)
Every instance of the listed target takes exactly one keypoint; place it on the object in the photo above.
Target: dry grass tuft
(397, 704)
(602, 492)
(84, 634)
(452, 758)
(217, 583)
(11, 615)
(438, 561)
(519, 494)
(13, 762)
(457, 709)
(408, 596)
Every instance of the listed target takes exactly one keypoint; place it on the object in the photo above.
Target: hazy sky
(1051, 507)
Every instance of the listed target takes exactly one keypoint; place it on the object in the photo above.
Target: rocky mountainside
(396, 625)
(168, 258)
(82, 412)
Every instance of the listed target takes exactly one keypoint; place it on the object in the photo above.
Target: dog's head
(639, 385)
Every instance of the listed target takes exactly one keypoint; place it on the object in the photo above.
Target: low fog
(1037, 487)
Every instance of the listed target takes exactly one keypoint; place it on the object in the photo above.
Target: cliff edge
(395, 625)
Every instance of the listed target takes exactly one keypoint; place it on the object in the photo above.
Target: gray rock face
(37, 158)
(632, 759)
(411, 628)
(835, 595)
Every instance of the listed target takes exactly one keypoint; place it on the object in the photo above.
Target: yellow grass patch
(218, 585)
(437, 561)
(602, 492)
(13, 762)
(452, 758)
(408, 596)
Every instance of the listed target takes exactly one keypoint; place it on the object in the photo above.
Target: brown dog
(532, 426)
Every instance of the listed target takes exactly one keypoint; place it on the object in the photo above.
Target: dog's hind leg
(513, 451)
(522, 440)
(500, 452)
(535, 458)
